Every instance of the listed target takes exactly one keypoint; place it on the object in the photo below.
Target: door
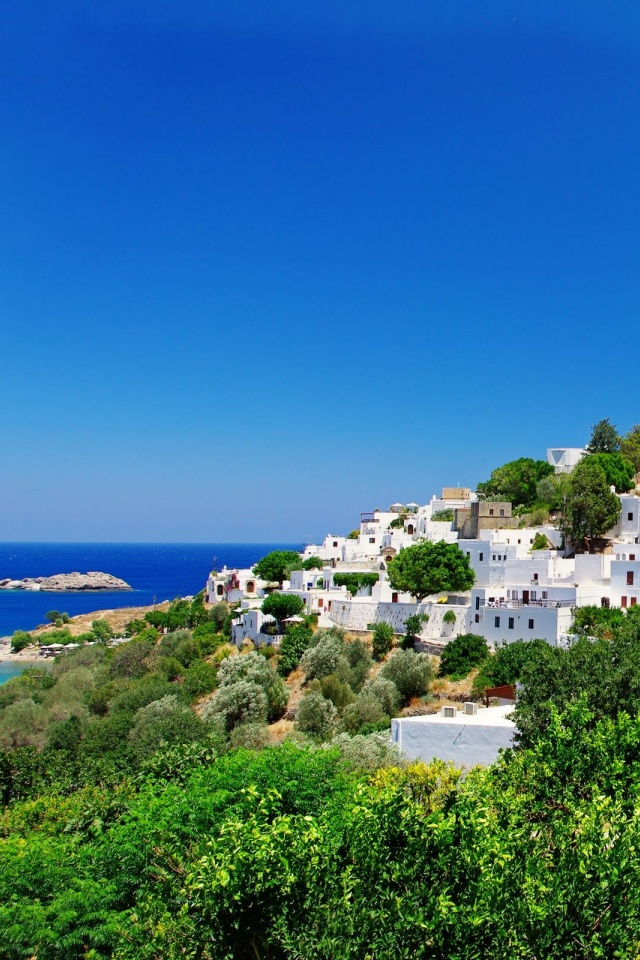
(525, 597)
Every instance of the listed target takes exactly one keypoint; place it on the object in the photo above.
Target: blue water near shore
(156, 571)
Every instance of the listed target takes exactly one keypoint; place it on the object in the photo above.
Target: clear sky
(265, 265)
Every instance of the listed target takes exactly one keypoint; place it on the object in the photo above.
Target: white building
(233, 586)
(464, 739)
(564, 459)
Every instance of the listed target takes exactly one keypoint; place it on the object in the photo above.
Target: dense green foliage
(441, 516)
(283, 605)
(313, 563)
(382, 640)
(630, 447)
(515, 481)
(427, 568)
(590, 508)
(355, 581)
(274, 566)
(462, 654)
(619, 473)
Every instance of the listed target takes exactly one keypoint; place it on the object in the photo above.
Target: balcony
(518, 604)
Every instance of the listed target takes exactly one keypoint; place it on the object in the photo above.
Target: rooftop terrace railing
(517, 604)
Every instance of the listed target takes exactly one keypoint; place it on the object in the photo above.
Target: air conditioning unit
(448, 711)
(469, 708)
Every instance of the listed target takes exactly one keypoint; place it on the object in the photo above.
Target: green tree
(273, 567)
(411, 672)
(253, 668)
(516, 481)
(313, 563)
(316, 716)
(620, 473)
(20, 640)
(540, 542)
(413, 628)
(292, 646)
(590, 509)
(382, 640)
(604, 438)
(630, 447)
(282, 606)
(462, 654)
(101, 630)
(426, 568)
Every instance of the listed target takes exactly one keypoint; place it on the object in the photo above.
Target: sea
(156, 572)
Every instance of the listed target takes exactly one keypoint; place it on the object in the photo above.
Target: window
(502, 513)
(623, 601)
(530, 624)
(633, 601)
(250, 586)
(481, 557)
(335, 543)
(220, 590)
(519, 541)
(511, 622)
(629, 578)
(535, 576)
(514, 594)
(508, 594)
(394, 598)
(371, 540)
(534, 594)
(477, 618)
(491, 512)
(496, 621)
(494, 556)
(630, 516)
(544, 594)
(477, 603)
(632, 556)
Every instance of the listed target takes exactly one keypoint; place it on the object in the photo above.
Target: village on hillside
(528, 575)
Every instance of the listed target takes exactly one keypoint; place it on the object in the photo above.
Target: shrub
(385, 692)
(250, 736)
(413, 626)
(364, 713)
(294, 643)
(540, 542)
(253, 668)
(200, 678)
(366, 753)
(382, 640)
(354, 581)
(336, 690)
(313, 563)
(359, 661)
(316, 716)
(164, 721)
(442, 516)
(449, 617)
(323, 658)
(20, 640)
(129, 660)
(411, 672)
(240, 702)
(101, 629)
(462, 654)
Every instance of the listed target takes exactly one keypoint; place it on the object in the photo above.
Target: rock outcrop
(64, 582)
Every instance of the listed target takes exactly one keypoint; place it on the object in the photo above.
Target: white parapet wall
(359, 612)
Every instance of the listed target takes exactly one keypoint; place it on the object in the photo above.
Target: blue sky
(264, 266)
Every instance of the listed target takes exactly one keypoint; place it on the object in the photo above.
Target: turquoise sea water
(10, 670)
(156, 571)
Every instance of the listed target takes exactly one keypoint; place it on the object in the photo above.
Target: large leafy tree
(274, 566)
(620, 473)
(590, 509)
(630, 447)
(604, 438)
(427, 568)
(516, 481)
(283, 605)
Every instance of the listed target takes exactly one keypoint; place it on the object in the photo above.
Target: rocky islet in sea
(63, 582)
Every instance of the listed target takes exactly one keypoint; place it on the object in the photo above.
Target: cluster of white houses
(519, 592)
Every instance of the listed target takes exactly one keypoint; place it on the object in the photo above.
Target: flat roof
(485, 717)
